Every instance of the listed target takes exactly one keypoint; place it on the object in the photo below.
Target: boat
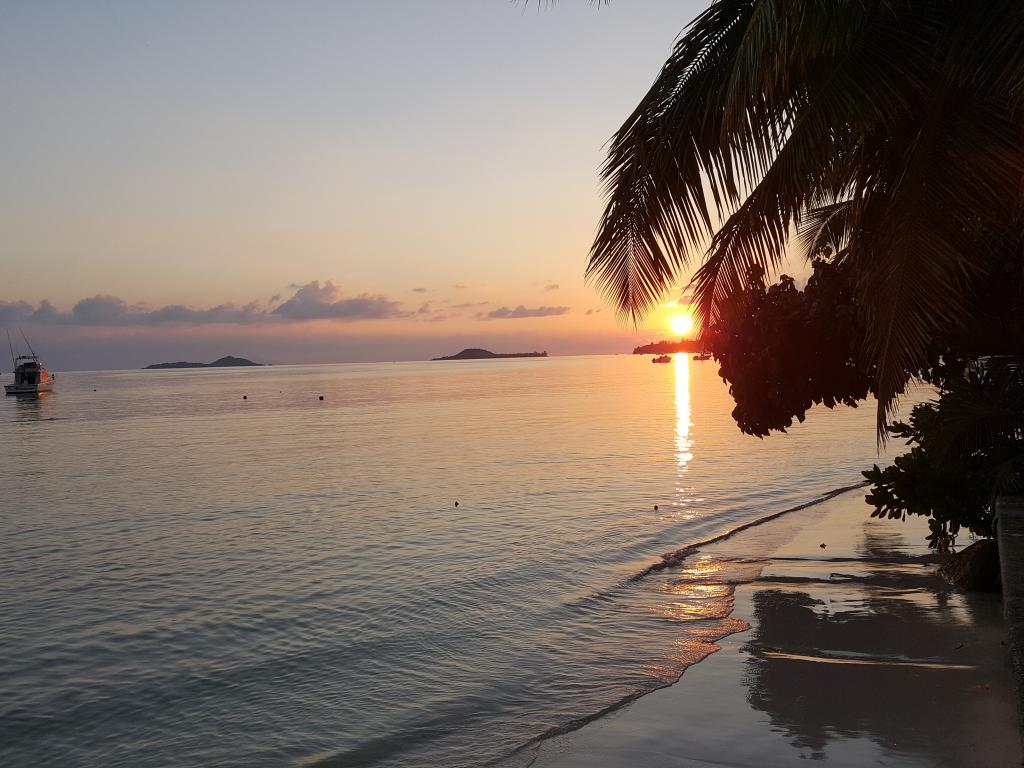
(662, 359)
(702, 356)
(30, 377)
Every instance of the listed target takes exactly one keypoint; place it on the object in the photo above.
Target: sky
(302, 182)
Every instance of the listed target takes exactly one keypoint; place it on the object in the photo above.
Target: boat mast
(14, 361)
(34, 356)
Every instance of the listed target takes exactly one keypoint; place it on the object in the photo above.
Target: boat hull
(28, 389)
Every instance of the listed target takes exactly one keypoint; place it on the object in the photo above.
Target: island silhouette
(485, 354)
(668, 347)
(227, 361)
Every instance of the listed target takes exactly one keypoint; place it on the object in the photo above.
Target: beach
(856, 654)
(511, 384)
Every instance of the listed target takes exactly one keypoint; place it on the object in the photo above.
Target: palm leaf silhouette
(887, 130)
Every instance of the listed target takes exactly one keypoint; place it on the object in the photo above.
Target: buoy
(655, 507)
(822, 546)
(245, 397)
(321, 397)
(456, 503)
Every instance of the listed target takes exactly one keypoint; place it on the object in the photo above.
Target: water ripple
(193, 579)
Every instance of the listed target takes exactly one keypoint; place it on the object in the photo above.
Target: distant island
(486, 354)
(668, 347)
(224, 362)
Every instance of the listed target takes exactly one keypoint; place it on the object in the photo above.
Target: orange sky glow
(368, 192)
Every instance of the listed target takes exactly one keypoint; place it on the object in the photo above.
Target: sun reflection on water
(683, 441)
(681, 365)
(700, 590)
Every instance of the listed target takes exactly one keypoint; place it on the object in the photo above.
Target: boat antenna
(11, 345)
(27, 344)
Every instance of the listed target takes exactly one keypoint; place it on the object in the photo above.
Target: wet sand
(857, 654)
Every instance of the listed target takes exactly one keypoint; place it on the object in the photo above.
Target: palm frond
(955, 188)
(659, 162)
(825, 230)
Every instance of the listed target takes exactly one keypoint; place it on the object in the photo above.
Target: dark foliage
(968, 447)
(783, 350)
(669, 347)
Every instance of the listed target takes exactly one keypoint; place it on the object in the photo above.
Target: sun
(681, 325)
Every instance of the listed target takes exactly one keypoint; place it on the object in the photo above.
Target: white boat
(30, 377)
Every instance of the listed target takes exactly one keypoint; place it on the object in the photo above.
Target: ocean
(434, 565)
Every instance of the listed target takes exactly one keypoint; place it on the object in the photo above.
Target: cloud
(315, 302)
(504, 313)
(419, 290)
(430, 313)
(471, 304)
(45, 313)
(551, 287)
(223, 313)
(312, 301)
(685, 298)
(111, 310)
(592, 311)
(460, 286)
(100, 310)
(12, 312)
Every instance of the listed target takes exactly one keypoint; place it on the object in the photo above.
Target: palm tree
(885, 132)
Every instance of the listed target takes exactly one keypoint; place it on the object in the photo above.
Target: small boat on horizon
(702, 356)
(662, 359)
(30, 377)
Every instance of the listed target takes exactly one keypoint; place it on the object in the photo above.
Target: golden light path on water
(684, 454)
(697, 594)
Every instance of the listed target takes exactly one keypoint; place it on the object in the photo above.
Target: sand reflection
(822, 652)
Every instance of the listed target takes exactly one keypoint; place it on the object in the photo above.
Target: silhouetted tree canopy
(966, 449)
(782, 350)
(890, 130)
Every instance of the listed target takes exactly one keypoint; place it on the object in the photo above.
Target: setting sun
(681, 325)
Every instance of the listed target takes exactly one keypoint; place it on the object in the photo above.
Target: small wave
(676, 557)
(708, 639)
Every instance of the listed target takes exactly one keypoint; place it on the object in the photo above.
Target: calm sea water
(189, 578)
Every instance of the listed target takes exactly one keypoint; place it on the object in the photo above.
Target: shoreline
(671, 559)
(852, 653)
(677, 556)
